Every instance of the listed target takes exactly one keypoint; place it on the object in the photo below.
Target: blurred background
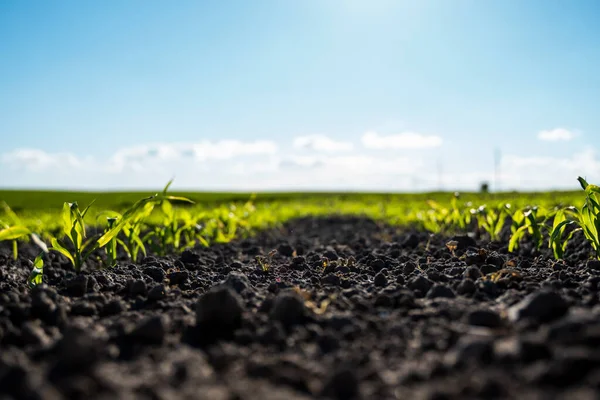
(348, 95)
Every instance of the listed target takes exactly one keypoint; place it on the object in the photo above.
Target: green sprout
(265, 262)
(457, 218)
(78, 248)
(557, 241)
(111, 247)
(13, 231)
(491, 220)
(589, 216)
(529, 221)
(132, 218)
(169, 232)
(587, 219)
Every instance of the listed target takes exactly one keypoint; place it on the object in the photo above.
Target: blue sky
(312, 94)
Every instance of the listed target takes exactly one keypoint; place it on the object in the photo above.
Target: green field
(139, 223)
(46, 200)
(40, 210)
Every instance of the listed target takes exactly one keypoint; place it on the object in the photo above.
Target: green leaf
(516, 238)
(56, 246)
(11, 214)
(39, 261)
(14, 232)
(167, 208)
(85, 210)
(78, 225)
(499, 224)
(569, 237)
(589, 224)
(111, 233)
(86, 244)
(167, 186)
(139, 246)
(582, 182)
(559, 229)
(37, 273)
(67, 220)
(178, 198)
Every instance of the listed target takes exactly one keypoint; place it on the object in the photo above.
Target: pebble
(464, 242)
(593, 265)
(486, 318)
(77, 286)
(473, 350)
(489, 269)
(151, 330)
(331, 279)
(542, 306)
(420, 284)
(237, 281)
(466, 286)
(342, 384)
(380, 280)
(288, 308)
(138, 288)
(408, 268)
(473, 273)
(33, 334)
(411, 241)
(189, 257)
(178, 277)
(113, 307)
(156, 273)
(219, 311)
(438, 290)
(158, 292)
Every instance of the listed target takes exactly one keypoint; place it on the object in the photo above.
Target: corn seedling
(587, 219)
(442, 219)
(590, 215)
(457, 218)
(491, 220)
(167, 235)
(265, 262)
(14, 230)
(131, 220)
(527, 222)
(111, 248)
(78, 248)
(132, 230)
(562, 219)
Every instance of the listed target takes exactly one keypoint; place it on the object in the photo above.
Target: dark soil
(348, 309)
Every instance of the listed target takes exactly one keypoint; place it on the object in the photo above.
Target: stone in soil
(218, 314)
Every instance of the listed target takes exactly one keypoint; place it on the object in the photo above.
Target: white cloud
(539, 172)
(35, 160)
(137, 157)
(557, 134)
(403, 140)
(352, 166)
(322, 143)
(262, 165)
